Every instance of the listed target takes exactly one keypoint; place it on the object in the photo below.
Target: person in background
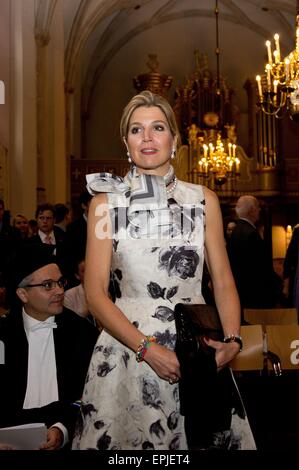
(75, 240)
(33, 227)
(10, 238)
(135, 229)
(47, 232)
(75, 298)
(290, 268)
(296, 288)
(256, 280)
(20, 222)
(47, 350)
(229, 225)
(63, 216)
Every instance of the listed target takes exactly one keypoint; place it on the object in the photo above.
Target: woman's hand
(224, 352)
(164, 362)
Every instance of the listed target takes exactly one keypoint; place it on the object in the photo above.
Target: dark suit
(253, 272)
(74, 248)
(296, 288)
(58, 233)
(74, 340)
(290, 264)
(10, 239)
(59, 243)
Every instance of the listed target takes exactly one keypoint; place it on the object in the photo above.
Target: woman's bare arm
(225, 291)
(97, 276)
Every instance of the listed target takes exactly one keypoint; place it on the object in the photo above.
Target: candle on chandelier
(276, 39)
(268, 45)
(234, 150)
(287, 69)
(297, 40)
(237, 165)
(268, 70)
(259, 87)
(230, 149)
(275, 89)
(292, 61)
(205, 150)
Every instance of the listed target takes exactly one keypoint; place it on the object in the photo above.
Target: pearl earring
(129, 157)
(172, 153)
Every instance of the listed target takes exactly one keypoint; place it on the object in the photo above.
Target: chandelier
(153, 80)
(219, 160)
(278, 88)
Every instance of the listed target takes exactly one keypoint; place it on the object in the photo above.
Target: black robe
(74, 340)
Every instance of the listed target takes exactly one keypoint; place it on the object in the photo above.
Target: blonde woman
(153, 233)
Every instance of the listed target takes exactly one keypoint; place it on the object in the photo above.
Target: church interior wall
(4, 70)
(169, 41)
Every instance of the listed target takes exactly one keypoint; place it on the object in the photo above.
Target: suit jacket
(74, 340)
(59, 239)
(58, 233)
(253, 272)
(10, 240)
(74, 247)
(290, 264)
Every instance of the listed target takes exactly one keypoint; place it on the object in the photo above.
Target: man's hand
(54, 439)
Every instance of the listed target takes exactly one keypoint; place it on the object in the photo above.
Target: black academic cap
(31, 257)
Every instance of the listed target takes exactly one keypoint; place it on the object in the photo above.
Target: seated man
(47, 350)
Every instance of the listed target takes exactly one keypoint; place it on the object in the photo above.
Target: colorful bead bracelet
(143, 347)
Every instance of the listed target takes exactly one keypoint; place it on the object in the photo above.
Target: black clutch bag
(193, 323)
(205, 394)
(197, 360)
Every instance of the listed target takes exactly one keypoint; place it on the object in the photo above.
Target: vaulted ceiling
(107, 43)
(98, 31)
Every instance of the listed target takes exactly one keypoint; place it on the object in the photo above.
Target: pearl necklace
(173, 183)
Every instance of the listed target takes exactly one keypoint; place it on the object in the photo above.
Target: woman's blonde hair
(147, 99)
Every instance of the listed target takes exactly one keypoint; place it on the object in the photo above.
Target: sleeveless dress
(157, 261)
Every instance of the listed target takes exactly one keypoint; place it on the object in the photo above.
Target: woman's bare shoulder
(210, 196)
(100, 198)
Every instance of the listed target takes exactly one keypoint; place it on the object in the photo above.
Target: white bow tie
(42, 325)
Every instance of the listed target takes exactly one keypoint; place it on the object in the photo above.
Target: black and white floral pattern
(179, 261)
(126, 405)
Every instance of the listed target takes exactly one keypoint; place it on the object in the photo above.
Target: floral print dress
(125, 404)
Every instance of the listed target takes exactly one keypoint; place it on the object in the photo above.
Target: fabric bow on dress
(148, 211)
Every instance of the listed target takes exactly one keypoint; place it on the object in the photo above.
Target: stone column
(52, 166)
(22, 141)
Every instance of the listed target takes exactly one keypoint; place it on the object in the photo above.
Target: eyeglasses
(50, 284)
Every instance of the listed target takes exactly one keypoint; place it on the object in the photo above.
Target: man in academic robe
(47, 351)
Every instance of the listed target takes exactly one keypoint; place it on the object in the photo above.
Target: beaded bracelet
(143, 347)
(234, 339)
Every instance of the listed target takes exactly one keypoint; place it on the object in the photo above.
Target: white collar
(31, 324)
